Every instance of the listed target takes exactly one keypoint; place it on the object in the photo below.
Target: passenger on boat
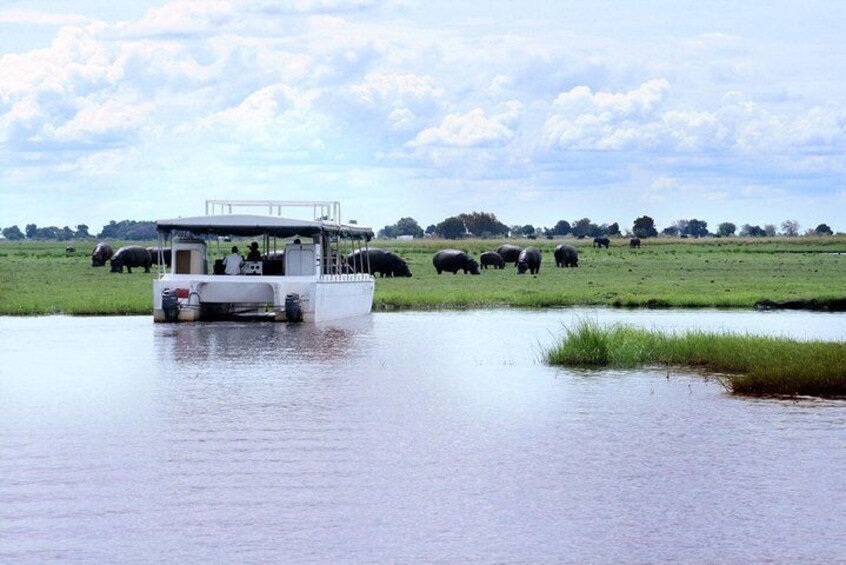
(254, 254)
(232, 262)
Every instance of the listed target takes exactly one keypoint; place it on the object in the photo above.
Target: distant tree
(823, 229)
(431, 229)
(697, 228)
(13, 233)
(65, 233)
(561, 228)
(352, 222)
(726, 229)
(581, 227)
(451, 228)
(594, 230)
(682, 226)
(671, 231)
(790, 228)
(769, 230)
(404, 226)
(81, 232)
(30, 231)
(51, 232)
(484, 224)
(409, 226)
(644, 227)
(129, 229)
(527, 230)
(752, 231)
(613, 229)
(388, 232)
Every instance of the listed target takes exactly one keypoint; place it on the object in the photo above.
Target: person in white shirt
(232, 262)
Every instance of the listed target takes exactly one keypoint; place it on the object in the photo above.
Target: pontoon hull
(324, 298)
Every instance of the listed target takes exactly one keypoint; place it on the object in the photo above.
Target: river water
(402, 437)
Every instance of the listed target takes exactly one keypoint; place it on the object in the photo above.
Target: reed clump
(746, 364)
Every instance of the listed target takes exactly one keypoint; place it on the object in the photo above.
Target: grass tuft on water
(748, 364)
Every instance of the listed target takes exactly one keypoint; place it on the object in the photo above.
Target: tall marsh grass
(747, 364)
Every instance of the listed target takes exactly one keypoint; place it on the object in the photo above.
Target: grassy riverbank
(40, 278)
(747, 364)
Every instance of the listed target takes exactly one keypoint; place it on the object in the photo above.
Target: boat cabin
(232, 265)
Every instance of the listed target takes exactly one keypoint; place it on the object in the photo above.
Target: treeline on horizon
(483, 225)
(129, 230)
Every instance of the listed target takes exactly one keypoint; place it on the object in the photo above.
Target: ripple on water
(402, 437)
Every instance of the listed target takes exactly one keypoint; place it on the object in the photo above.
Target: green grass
(663, 273)
(747, 364)
(39, 278)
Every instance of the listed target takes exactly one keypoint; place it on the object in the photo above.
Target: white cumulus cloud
(473, 129)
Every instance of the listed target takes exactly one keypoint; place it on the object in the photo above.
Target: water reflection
(412, 437)
(258, 343)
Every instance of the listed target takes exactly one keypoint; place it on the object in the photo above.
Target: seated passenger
(232, 262)
(254, 254)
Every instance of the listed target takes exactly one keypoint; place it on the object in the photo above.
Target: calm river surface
(402, 437)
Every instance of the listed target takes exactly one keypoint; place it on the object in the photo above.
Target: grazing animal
(566, 256)
(453, 260)
(154, 255)
(70, 249)
(131, 256)
(529, 260)
(102, 253)
(600, 242)
(386, 263)
(492, 259)
(509, 253)
(634, 242)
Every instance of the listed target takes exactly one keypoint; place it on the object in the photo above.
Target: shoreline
(821, 306)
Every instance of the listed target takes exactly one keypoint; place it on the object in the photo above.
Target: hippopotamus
(634, 242)
(509, 253)
(600, 242)
(493, 259)
(131, 256)
(102, 253)
(529, 260)
(154, 255)
(386, 263)
(453, 260)
(566, 256)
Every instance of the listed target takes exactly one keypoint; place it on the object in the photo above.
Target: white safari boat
(302, 273)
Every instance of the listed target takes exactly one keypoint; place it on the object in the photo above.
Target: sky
(536, 111)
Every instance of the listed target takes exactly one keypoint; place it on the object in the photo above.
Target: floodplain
(41, 278)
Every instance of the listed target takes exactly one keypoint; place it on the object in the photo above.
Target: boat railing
(326, 210)
(343, 278)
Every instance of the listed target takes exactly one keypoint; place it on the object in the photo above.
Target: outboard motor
(170, 305)
(293, 308)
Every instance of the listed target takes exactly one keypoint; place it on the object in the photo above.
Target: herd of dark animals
(382, 262)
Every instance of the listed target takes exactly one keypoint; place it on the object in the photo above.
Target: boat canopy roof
(254, 225)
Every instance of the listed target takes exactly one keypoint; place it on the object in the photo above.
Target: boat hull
(321, 298)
